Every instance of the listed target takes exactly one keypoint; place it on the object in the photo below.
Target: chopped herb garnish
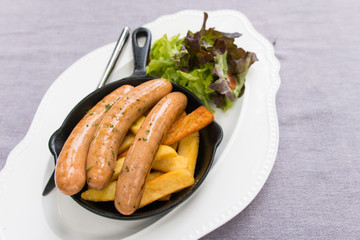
(127, 97)
(109, 163)
(145, 139)
(139, 109)
(134, 123)
(127, 168)
(113, 153)
(88, 169)
(137, 99)
(117, 130)
(147, 131)
(108, 106)
(87, 125)
(91, 113)
(111, 126)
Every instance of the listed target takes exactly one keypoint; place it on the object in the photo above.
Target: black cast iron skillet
(210, 137)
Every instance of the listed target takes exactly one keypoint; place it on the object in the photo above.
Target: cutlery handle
(114, 56)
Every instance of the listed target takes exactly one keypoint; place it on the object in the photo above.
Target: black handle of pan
(141, 53)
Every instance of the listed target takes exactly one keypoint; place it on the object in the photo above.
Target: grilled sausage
(70, 176)
(114, 126)
(138, 161)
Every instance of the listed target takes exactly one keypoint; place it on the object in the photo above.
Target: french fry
(165, 152)
(189, 148)
(128, 139)
(117, 169)
(156, 174)
(166, 184)
(106, 194)
(153, 175)
(170, 164)
(196, 120)
(137, 124)
(175, 145)
(165, 198)
(123, 154)
(181, 116)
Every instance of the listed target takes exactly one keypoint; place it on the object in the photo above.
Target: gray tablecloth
(313, 191)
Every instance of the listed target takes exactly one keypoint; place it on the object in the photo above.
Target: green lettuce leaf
(206, 62)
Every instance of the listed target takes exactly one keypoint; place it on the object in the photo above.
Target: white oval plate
(242, 163)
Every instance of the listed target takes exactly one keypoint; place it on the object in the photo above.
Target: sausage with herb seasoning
(114, 126)
(70, 173)
(138, 161)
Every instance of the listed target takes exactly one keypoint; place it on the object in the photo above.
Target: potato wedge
(117, 169)
(106, 194)
(137, 124)
(170, 164)
(165, 198)
(165, 152)
(189, 148)
(153, 175)
(123, 154)
(128, 139)
(166, 184)
(174, 145)
(196, 120)
(181, 116)
(156, 174)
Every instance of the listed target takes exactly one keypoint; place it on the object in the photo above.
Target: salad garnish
(206, 62)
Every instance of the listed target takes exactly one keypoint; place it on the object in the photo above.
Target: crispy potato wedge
(156, 174)
(123, 154)
(196, 120)
(153, 175)
(106, 194)
(189, 148)
(117, 169)
(165, 198)
(165, 152)
(137, 124)
(170, 164)
(128, 139)
(181, 116)
(162, 153)
(166, 184)
(174, 145)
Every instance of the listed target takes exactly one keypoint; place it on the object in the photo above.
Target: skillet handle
(141, 53)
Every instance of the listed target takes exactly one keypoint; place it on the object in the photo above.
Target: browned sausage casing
(114, 126)
(70, 170)
(138, 161)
